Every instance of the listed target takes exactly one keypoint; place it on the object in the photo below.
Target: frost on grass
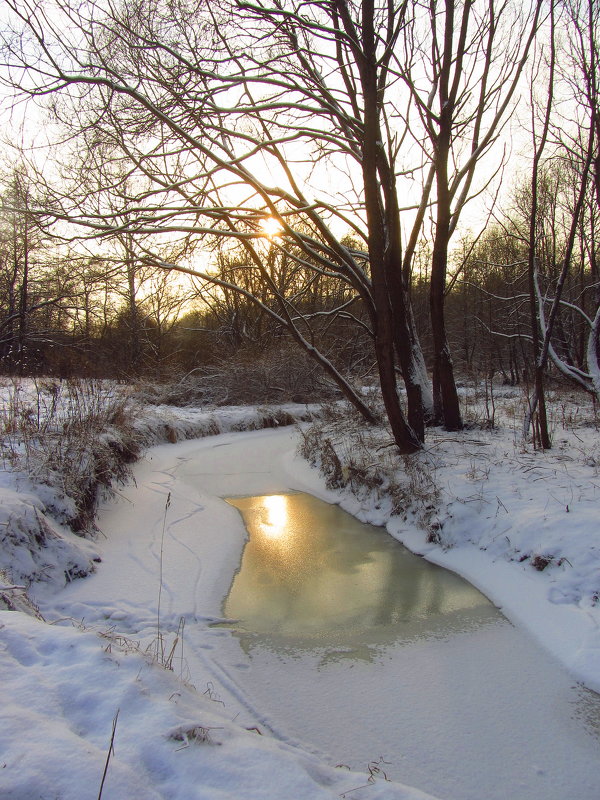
(193, 734)
(364, 463)
(65, 445)
(165, 423)
(498, 500)
(62, 445)
(71, 439)
(485, 487)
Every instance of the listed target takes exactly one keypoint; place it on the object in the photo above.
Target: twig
(111, 750)
(375, 771)
(160, 582)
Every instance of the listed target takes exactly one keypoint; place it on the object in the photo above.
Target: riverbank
(110, 662)
(519, 523)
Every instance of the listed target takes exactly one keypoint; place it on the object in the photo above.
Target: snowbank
(79, 704)
(62, 690)
(52, 480)
(520, 524)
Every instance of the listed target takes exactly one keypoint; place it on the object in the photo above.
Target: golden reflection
(309, 568)
(276, 523)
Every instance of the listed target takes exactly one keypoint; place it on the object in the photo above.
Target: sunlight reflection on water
(310, 571)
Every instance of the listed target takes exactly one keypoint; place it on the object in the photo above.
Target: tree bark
(445, 397)
(387, 287)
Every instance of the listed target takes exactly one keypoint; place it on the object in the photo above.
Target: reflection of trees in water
(337, 645)
(311, 569)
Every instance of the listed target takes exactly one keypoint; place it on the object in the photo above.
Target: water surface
(311, 572)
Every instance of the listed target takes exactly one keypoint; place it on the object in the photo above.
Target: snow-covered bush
(71, 439)
(35, 548)
(64, 444)
(280, 375)
(365, 461)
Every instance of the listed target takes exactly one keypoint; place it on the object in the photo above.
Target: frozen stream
(360, 650)
(435, 682)
(357, 646)
(312, 575)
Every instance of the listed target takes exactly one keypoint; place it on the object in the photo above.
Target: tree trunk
(445, 396)
(407, 346)
(24, 298)
(387, 285)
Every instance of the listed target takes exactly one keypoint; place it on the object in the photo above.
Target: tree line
(364, 130)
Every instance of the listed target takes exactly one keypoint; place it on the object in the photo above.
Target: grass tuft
(74, 437)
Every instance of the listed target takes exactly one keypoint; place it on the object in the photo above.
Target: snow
(61, 692)
(168, 551)
(513, 509)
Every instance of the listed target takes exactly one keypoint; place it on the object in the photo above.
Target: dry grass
(76, 437)
(365, 461)
(283, 374)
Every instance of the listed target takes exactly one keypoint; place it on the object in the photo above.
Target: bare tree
(463, 63)
(538, 401)
(205, 117)
(31, 287)
(577, 150)
(210, 119)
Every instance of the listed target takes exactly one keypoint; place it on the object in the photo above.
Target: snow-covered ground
(504, 512)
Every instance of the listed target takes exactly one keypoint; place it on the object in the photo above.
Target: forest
(339, 258)
(289, 200)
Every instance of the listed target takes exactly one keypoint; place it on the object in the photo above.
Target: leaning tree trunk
(406, 344)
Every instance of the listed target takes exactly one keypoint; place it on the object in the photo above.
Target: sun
(271, 227)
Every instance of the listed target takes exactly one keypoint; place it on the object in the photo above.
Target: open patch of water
(311, 573)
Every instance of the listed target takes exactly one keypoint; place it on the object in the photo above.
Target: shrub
(72, 439)
(279, 375)
(364, 461)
